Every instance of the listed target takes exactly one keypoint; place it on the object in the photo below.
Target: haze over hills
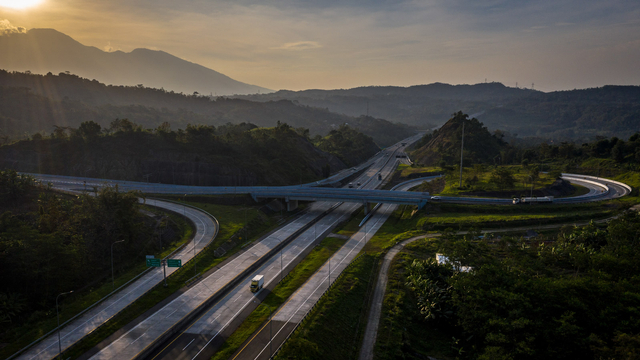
(47, 50)
(32, 103)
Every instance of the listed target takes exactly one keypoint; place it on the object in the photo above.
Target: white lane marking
(188, 344)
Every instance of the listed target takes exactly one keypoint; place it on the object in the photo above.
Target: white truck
(256, 283)
(533, 200)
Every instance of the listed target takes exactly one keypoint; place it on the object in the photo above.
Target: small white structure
(442, 259)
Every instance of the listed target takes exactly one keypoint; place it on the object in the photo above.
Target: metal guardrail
(98, 302)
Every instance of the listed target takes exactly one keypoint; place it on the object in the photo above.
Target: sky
(332, 44)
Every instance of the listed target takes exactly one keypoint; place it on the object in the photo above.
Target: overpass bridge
(292, 195)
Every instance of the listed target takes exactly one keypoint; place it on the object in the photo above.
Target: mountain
(47, 50)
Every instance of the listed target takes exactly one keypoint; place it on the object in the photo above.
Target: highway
(206, 229)
(214, 316)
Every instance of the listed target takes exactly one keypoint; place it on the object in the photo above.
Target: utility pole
(461, 152)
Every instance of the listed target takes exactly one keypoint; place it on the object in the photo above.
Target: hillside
(47, 50)
(32, 103)
(443, 145)
(231, 155)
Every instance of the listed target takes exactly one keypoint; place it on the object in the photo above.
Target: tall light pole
(113, 283)
(461, 152)
(58, 317)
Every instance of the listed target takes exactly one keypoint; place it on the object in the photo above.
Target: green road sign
(174, 263)
(153, 262)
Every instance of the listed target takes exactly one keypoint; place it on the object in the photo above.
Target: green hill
(444, 144)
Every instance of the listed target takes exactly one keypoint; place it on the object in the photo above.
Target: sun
(19, 4)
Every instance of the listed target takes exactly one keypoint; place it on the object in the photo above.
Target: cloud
(299, 46)
(6, 28)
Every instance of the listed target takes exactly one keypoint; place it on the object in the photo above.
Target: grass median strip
(296, 278)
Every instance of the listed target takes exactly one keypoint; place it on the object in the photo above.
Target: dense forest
(571, 296)
(228, 155)
(52, 243)
(32, 103)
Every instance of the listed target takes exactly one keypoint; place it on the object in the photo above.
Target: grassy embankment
(41, 323)
(231, 221)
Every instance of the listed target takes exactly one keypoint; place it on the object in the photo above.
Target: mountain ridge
(48, 50)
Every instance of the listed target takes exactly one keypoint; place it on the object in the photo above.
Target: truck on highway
(533, 200)
(256, 283)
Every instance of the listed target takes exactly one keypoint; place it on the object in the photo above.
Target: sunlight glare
(19, 4)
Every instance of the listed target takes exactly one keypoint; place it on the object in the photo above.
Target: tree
(502, 178)
(89, 130)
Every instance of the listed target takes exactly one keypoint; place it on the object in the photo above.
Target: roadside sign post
(164, 268)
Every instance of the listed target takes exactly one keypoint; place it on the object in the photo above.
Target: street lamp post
(58, 317)
(113, 284)
(184, 214)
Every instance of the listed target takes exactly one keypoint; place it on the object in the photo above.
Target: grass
(334, 328)
(294, 280)
(204, 260)
(521, 184)
(40, 322)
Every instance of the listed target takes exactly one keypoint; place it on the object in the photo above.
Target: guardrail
(98, 302)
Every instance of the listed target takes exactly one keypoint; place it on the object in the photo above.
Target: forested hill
(35, 103)
(229, 155)
(443, 145)
(578, 115)
(424, 106)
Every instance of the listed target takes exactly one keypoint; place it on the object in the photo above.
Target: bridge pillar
(292, 204)
(367, 208)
